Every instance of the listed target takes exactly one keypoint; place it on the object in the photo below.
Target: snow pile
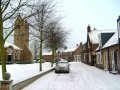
(20, 72)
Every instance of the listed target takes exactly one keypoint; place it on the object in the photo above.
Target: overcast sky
(101, 14)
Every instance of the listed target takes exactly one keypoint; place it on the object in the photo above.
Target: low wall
(20, 85)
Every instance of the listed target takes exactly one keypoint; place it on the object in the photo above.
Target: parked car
(62, 66)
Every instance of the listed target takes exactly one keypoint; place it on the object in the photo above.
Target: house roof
(62, 50)
(70, 49)
(105, 37)
(47, 53)
(93, 35)
(113, 40)
(6, 45)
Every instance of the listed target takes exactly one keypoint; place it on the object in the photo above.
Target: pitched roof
(47, 53)
(105, 37)
(62, 50)
(93, 35)
(113, 40)
(70, 49)
(6, 45)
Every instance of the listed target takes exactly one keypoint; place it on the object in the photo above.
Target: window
(99, 61)
(85, 56)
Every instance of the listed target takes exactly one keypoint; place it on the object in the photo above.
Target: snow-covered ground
(20, 72)
(81, 77)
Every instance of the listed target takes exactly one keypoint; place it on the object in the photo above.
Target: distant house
(84, 55)
(73, 54)
(78, 53)
(47, 56)
(67, 54)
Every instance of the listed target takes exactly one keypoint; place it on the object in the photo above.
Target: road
(81, 77)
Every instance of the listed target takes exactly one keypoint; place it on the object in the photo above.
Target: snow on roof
(6, 45)
(70, 49)
(62, 50)
(93, 35)
(47, 53)
(113, 40)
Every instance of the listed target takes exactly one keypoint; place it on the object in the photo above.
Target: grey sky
(101, 14)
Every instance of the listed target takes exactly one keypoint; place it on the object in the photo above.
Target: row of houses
(101, 49)
(70, 54)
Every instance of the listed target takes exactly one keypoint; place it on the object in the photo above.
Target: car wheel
(67, 71)
(56, 72)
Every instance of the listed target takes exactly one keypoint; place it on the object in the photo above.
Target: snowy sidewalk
(81, 77)
(21, 72)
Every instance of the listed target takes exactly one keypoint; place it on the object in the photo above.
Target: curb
(20, 85)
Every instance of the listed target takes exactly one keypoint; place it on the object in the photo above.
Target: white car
(62, 66)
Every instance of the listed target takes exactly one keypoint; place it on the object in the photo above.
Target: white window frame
(113, 60)
(99, 60)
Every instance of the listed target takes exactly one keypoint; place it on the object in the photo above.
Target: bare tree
(55, 38)
(44, 10)
(35, 46)
(8, 12)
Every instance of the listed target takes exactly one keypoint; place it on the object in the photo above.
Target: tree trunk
(53, 56)
(41, 49)
(2, 50)
(41, 56)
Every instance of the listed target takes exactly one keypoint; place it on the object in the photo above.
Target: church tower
(21, 38)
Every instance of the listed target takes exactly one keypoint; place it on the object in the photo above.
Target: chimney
(118, 28)
(77, 45)
(88, 28)
(80, 43)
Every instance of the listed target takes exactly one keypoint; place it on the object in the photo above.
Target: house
(103, 39)
(92, 44)
(72, 54)
(84, 55)
(78, 53)
(109, 53)
(12, 53)
(47, 56)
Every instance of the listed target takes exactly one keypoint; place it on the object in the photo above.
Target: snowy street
(81, 77)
